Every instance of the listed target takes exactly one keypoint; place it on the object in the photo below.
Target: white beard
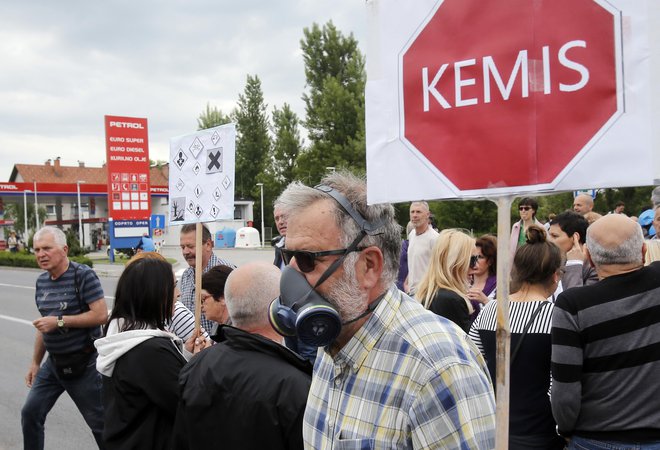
(346, 295)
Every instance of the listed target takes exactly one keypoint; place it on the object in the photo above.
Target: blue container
(225, 238)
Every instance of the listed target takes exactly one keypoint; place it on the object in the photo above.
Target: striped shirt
(606, 358)
(188, 287)
(530, 413)
(58, 297)
(407, 379)
(183, 322)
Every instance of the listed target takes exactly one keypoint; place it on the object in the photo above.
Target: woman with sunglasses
(482, 273)
(444, 287)
(527, 209)
(537, 269)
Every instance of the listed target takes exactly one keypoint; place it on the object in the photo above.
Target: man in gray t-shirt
(72, 305)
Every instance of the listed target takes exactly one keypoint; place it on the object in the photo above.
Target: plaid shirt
(187, 287)
(407, 379)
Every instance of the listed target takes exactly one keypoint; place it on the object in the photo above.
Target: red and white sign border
(620, 101)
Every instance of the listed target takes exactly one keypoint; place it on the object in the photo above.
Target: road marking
(17, 286)
(15, 319)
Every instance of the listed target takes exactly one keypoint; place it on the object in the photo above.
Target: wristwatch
(60, 322)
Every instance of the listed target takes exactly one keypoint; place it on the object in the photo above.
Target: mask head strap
(367, 227)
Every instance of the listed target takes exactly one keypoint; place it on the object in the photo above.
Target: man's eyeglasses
(307, 260)
(524, 208)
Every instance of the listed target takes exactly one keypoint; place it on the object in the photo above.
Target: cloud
(67, 64)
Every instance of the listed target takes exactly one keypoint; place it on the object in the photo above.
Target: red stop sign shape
(507, 93)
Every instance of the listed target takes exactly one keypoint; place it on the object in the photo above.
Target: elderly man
(189, 251)
(281, 218)
(583, 203)
(70, 299)
(421, 241)
(248, 391)
(604, 345)
(392, 375)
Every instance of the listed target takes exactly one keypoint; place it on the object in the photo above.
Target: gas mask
(300, 310)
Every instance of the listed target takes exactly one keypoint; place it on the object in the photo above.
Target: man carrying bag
(70, 299)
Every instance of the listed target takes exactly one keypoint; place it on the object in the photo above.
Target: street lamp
(36, 207)
(80, 228)
(25, 218)
(263, 241)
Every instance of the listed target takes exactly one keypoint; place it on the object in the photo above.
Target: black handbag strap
(526, 329)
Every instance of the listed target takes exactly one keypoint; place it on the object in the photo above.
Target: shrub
(28, 260)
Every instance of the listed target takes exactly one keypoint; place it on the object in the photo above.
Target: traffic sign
(471, 99)
(534, 94)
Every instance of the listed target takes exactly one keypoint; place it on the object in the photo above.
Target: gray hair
(58, 235)
(248, 303)
(424, 203)
(655, 196)
(297, 197)
(627, 252)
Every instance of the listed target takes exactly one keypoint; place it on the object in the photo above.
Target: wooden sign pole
(503, 332)
(198, 275)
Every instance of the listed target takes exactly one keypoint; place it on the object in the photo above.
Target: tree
(287, 145)
(334, 102)
(253, 144)
(212, 117)
(15, 212)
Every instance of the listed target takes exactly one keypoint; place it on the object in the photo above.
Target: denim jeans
(579, 443)
(46, 389)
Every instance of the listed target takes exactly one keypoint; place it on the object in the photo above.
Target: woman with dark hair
(536, 272)
(213, 295)
(527, 209)
(139, 360)
(482, 273)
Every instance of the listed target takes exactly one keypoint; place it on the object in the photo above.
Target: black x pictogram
(215, 160)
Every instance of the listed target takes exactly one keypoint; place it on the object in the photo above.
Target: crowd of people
(402, 343)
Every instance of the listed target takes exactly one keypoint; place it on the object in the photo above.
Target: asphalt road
(65, 427)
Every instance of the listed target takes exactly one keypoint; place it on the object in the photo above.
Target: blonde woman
(444, 287)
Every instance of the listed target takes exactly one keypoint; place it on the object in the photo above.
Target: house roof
(56, 173)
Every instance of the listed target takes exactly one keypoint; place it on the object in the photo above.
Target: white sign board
(202, 167)
(461, 104)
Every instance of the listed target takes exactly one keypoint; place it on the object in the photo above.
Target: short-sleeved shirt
(58, 297)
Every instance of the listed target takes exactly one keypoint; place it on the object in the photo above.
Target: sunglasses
(306, 261)
(474, 259)
(524, 208)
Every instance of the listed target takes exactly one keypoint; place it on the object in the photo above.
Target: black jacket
(246, 392)
(141, 396)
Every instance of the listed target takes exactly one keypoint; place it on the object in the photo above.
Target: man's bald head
(615, 239)
(583, 204)
(248, 293)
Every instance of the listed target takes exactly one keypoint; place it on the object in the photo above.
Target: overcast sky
(65, 64)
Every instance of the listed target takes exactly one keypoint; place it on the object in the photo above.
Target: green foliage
(73, 243)
(211, 117)
(334, 103)
(636, 199)
(253, 144)
(287, 145)
(22, 259)
(15, 212)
